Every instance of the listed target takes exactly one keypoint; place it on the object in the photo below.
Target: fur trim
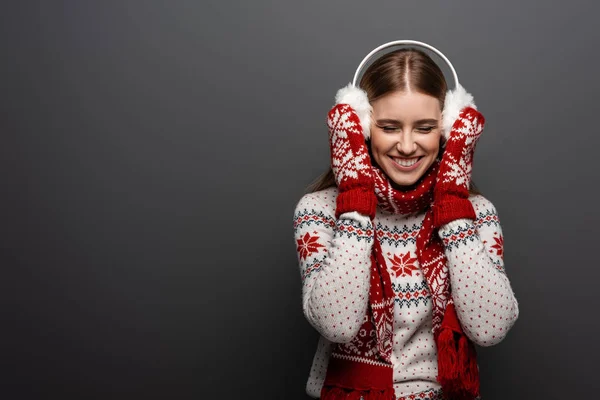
(456, 100)
(357, 98)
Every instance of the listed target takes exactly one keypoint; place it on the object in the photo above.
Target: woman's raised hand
(451, 192)
(350, 159)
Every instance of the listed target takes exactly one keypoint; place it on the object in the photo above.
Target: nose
(406, 144)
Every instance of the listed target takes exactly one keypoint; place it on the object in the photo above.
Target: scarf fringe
(458, 372)
(448, 357)
(338, 393)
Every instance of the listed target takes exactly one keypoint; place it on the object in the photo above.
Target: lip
(407, 169)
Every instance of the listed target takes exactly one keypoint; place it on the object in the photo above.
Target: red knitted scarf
(362, 367)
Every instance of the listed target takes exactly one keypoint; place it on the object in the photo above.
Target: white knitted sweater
(334, 259)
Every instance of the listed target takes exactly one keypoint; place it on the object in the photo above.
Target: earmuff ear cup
(357, 98)
(455, 101)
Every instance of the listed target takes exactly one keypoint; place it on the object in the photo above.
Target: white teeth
(406, 163)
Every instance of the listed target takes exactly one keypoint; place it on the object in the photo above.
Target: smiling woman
(403, 88)
(401, 259)
(405, 135)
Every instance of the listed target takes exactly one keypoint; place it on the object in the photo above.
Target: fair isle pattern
(466, 131)
(345, 163)
(408, 202)
(360, 359)
(311, 217)
(347, 228)
(403, 264)
(311, 267)
(439, 284)
(497, 248)
(488, 217)
(333, 271)
(370, 361)
(363, 347)
(459, 236)
(472, 265)
(459, 233)
(397, 235)
(431, 394)
(407, 294)
(432, 261)
(384, 322)
(344, 272)
(309, 244)
(384, 191)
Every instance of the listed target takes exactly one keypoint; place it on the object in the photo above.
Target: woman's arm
(334, 257)
(485, 303)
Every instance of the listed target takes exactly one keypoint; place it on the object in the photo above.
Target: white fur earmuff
(357, 98)
(455, 101)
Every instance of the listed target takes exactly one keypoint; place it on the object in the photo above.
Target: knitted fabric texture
(362, 368)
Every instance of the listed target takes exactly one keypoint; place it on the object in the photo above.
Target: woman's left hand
(451, 192)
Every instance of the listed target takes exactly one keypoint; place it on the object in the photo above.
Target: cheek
(377, 151)
(435, 143)
(379, 143)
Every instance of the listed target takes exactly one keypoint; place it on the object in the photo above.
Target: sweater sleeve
(484, 300)
(334, 258)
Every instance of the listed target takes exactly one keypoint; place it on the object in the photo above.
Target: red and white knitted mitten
(451, 191)
(350, 159)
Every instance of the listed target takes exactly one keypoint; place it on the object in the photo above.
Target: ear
(455, 101)
(357, 98)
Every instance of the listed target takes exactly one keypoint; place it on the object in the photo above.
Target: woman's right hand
(350, 160)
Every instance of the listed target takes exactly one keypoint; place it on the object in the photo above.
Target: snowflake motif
(403, 265)
(471, 128)
(308, 245)
(346, 164)
(459, 171)
(499, 246)
(467, 130)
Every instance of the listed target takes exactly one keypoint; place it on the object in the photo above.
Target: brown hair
(399, 70)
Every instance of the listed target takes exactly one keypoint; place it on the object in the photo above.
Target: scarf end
(458, 372)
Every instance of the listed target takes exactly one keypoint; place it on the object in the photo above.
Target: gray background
(153, 152)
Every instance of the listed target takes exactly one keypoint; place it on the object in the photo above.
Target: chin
(406, 179)
(405, 182)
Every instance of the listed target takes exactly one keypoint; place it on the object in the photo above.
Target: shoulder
(316, 208)
(480, 201)
(323, 200)
(485, 210)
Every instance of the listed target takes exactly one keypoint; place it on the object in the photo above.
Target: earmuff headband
(456, 99)
(409, 43)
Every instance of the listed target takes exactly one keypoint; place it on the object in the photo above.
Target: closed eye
(391, 128)
(388, 128)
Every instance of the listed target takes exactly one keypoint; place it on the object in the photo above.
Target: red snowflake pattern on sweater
(403, 265)
(308, 245)
(499, 246)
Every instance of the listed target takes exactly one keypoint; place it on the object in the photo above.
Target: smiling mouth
(406, 163)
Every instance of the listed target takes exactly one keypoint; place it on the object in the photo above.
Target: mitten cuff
(360, 200)
(452, 209)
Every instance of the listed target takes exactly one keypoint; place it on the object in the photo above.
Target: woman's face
(406, 127)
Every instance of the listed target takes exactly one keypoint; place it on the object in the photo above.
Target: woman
(401, 258)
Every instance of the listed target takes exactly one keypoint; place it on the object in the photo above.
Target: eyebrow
(396, 122)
